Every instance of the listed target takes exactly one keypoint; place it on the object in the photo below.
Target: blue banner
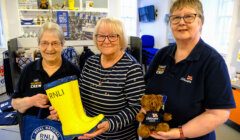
(62, 20)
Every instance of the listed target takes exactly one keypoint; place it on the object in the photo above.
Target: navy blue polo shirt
(199, 82)
(33, 77)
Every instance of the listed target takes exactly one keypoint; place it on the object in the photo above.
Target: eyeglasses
(53, 44)
(111, 37)
(188, 18)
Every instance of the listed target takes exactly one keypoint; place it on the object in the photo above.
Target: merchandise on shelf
(43, 4)
(89, 4)
(28, 4)
(80, 20)
(71, 4)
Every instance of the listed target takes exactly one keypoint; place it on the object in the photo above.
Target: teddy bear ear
(143, 99)
(160, 98)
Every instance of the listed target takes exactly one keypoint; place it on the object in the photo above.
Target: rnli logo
(36, 84)
(187, 79)
(161, 69)
(46, 132)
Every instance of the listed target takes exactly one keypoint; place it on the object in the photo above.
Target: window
(217, 26)
(2, 44)
(129, 16)
(225, 15)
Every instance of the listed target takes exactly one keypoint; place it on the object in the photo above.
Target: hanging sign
(62, 20)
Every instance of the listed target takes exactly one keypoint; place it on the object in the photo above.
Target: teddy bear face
(152, 102)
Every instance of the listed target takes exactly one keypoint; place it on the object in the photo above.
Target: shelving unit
(34, 10)
(234, 115)
(81, 20)
(32, 42)
(31, 26)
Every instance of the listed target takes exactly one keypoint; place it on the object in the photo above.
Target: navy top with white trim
(199, 82)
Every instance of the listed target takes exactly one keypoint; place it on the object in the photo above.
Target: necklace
(105, 73)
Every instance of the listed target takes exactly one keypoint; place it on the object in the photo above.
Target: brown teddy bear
(155, 118)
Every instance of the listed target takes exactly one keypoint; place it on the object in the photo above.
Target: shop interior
(20, 21)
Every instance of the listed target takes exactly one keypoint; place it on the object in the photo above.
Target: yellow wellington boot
(65, 97)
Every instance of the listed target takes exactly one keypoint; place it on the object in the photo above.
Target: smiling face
(108, 47)
(50, 47)
(183, 31)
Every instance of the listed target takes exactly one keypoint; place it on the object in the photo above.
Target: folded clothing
(5, 106)
(8, 118)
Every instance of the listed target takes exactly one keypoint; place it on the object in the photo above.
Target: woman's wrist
(29, 102)
(182, 137)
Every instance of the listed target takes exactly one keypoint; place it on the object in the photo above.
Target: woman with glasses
(112, 84)
(30, 95)
(192, 75)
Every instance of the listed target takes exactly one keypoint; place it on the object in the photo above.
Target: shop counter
(234, 118)
(236, 84)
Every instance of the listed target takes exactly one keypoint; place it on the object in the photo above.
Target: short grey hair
(53, 27)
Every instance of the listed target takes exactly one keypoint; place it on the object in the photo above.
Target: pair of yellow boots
(65, 97)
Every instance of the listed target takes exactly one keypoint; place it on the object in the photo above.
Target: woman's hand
(101, 128)
(23, 104)
(40, 100)
(171, 134)
(53, 114)
(141, 115)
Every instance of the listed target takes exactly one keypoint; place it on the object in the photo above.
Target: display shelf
(55, 10)
(31, 26)
(32, 42)
(79, 43)
(102, 10)
(34, 10)
(234, 114)
(96, 4)
(85, 29)
(79, 18)
(79, 6)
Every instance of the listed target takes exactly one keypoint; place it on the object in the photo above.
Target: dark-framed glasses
(188, 18)
(53, 44)
(111, 37)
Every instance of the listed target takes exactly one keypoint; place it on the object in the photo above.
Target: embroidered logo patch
(46, 132)
(153, 118)
(187, 79)
(36, 84)
(160, 69)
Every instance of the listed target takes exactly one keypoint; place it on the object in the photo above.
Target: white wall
(210, 15)
(235, 39)
(114, 8)
(4, 26)
(11, 21)
(209, 32)
(157, 28)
